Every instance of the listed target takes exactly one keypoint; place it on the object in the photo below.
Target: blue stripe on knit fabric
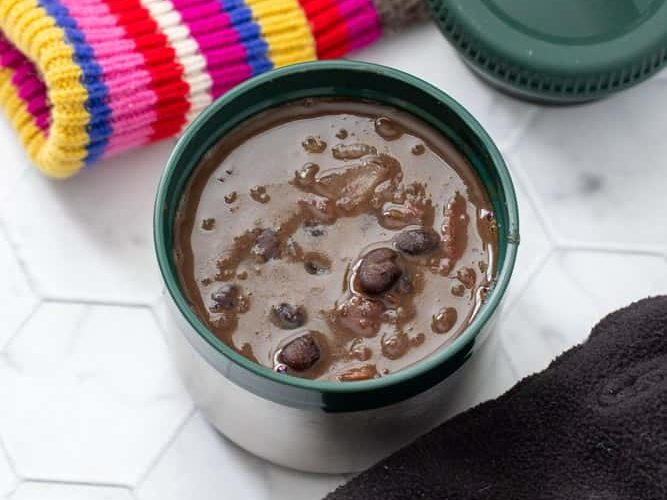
(99, 127)
(250, 35)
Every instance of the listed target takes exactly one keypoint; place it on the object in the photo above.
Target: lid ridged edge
(541, 85)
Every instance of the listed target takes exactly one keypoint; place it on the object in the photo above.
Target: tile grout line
(76, 331)
(612, 248)
(533, 199)
(508, 360)
(32, 282)
(566, 244)
(161, 452)
(531, 276)
(47, 298)
(88, 484)
(95, 302)
(12, 466)
(516, 136)
(162, 328)
(29, 280)
(21, 326)
(3, 200)
(153, 307)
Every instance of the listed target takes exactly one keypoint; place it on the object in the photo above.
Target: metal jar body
(309, 424)
(307, 439)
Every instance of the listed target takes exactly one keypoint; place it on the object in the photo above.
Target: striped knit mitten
(81, 80)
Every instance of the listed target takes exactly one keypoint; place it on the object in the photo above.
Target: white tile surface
(568, 296)
(90, 238)
(599, 168)
(17, 300)
(87, 391)
(45, 491)
(536, 242)
(12, 170)
(89, 394)
(201, 464)
(8, 479)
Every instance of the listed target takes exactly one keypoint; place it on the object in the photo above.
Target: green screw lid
(558, 50)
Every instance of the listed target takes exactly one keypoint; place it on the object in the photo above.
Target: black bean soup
(335, 239)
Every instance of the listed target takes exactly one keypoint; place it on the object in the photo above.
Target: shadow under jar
(335, 238)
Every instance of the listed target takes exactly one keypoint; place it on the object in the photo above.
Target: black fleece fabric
(593, 425)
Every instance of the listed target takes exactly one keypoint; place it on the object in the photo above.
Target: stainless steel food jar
(306, 424)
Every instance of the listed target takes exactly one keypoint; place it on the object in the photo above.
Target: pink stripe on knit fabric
(10, 57)
(218, 42)
(363, 22)
(363, 30)
(33, 92)
(27, 82)
(228, 77)
(128, 139)
(217, 39)
(135, 135)
(130, 97)
(205, 9)
(125, 142)
(229, 55)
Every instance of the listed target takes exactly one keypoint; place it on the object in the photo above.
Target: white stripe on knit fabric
(195, 72)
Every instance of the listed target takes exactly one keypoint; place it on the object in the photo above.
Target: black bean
(314, 228)
(287, 316)
(360, 315)
(301, 353)
(226, 297)
(267, 245)
(417, 241)
(316, 263)
(379, 271)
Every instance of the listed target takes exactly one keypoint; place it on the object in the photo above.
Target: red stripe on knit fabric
(160, 61)
(328, 26)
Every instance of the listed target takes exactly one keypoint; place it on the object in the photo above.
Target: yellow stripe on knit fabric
(32, 31)
(286, 30)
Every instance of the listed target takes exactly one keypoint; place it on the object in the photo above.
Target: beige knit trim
(397, 14)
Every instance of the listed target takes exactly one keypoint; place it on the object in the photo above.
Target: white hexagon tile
(599, 168)
(90, 238)
(201, 464)
(11, 148)
(536, 241)
(89, 395)
(17, 299)
(90, 404)
(8, 479)
(569, 295)
(42, 491)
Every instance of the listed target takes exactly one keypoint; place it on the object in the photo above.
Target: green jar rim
(165, 197)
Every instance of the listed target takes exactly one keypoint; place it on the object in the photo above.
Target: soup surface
(335, 239)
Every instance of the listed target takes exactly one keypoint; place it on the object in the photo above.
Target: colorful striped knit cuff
(81, 80)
